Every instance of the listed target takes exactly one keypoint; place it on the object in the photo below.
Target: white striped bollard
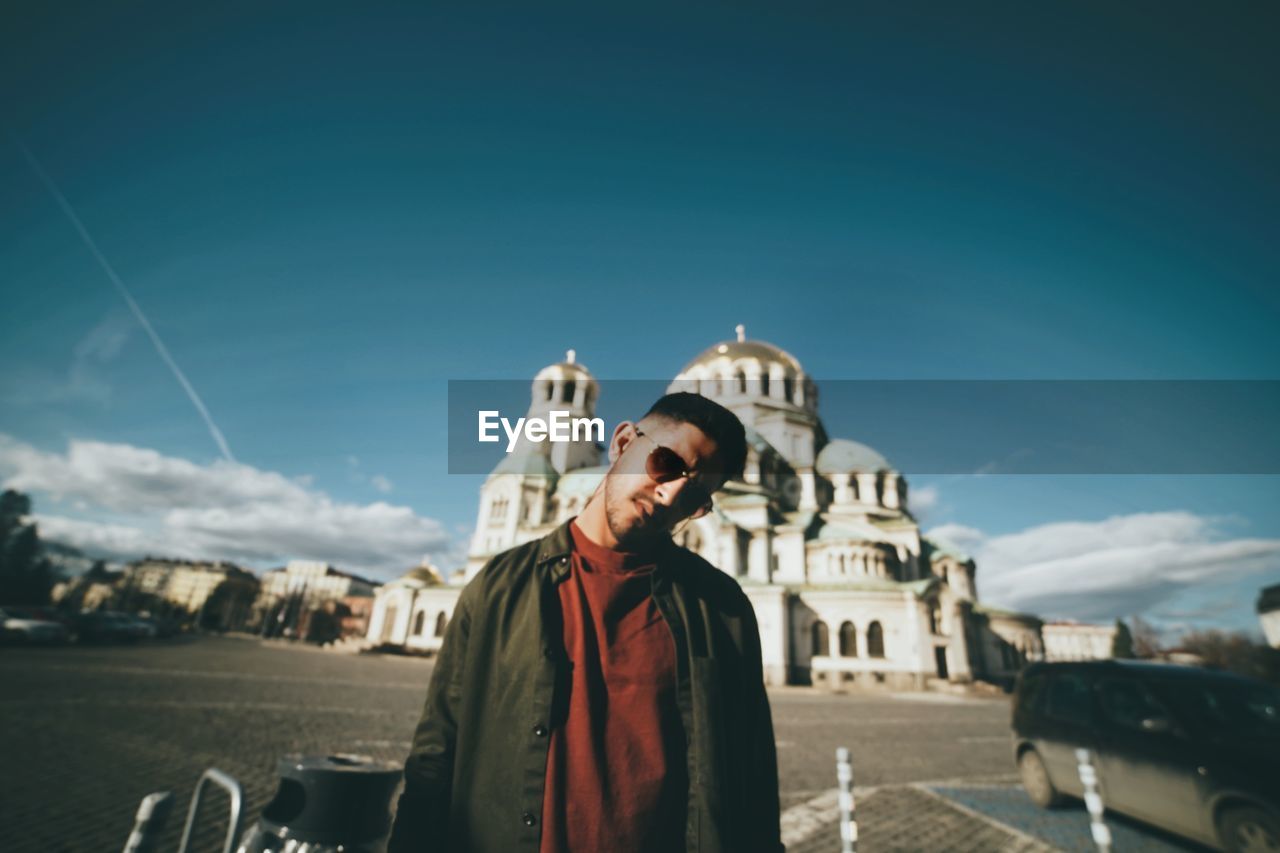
(848, 825)
(1093, 801)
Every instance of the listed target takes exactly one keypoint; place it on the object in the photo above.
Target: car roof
(1140, 668)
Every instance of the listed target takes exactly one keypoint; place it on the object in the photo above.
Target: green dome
(581, 481)
(940, 548)
(527, 465)
(844, 457)
(846, 530)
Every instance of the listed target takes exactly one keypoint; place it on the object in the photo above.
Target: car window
(1239, 708)
(1032, 693)
(1126, 703)
(1069, 699)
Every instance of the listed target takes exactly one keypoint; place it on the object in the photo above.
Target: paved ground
(86, 732)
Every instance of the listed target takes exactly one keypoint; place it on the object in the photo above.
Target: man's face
(640, 511)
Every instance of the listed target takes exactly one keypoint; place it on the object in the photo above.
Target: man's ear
(623, 434)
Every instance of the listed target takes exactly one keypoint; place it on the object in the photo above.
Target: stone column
(843, 493)
(758, 556)
(891, 490)
(867, 488)
(808, 490)
(960, 668)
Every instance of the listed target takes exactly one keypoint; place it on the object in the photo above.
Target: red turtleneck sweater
(616, 774)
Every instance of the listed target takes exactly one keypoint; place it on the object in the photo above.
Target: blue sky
(327, 212)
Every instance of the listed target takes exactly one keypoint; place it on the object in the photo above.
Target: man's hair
(718, 423)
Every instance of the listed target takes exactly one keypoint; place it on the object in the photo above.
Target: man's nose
(669, 492)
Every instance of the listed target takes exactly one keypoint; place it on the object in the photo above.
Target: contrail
(133, 306)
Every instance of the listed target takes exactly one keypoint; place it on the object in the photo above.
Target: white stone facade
(818, 532)
(1077, 641)
(314, 580)
(1269, 614)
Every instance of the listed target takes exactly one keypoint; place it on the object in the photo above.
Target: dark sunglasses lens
(664, 464)
(697, 496)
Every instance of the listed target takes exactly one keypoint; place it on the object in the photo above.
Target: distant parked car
(106, 626)
(1193, 751)
(21, 625)
(144, 628)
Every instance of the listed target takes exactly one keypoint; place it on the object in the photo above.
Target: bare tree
(1234, 651)
(1146, 639)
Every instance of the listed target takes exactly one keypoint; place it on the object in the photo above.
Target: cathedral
(818, 532)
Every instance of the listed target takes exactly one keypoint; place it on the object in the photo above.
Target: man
(600, 690)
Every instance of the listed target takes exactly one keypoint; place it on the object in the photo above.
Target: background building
(818, 532)
(184, 584)
(317, 581)
(1078, 641)
(1269, 614)
(291, 595)
(412, 611)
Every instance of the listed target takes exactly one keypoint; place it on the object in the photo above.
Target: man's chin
(638, 536)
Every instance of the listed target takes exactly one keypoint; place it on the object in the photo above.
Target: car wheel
(1035, 780)
(1250, 830)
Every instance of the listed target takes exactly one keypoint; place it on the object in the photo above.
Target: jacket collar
(554, 549)
(556, 546)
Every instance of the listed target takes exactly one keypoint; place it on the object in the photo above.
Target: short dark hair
(720, 425)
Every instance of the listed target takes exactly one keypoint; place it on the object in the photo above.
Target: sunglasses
(664, 465)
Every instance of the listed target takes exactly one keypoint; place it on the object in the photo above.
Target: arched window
(848, 640)
(788, 388)
(821, 639)
(567, 396)
(419, 621)
(551, 390)
(875, 640)
(440, 623)
(764, 384)
(741, 381)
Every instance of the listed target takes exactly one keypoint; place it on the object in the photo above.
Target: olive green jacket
(475, 775)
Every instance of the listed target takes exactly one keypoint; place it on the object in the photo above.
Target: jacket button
(540, 730)
(528, 818)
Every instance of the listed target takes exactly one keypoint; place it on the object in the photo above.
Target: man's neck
(593, 523)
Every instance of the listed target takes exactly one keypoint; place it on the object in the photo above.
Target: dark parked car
(105, 626)
(1193, 751)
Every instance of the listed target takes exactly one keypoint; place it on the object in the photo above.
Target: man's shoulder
(508, 566)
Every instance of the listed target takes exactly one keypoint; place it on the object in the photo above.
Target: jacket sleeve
(763, 812)
(422, 814)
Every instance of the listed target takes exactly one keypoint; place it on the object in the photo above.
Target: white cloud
(84, 380)
(1106, 569)
(967, 539)
(164, 505)
(379, 482)
(923, 499)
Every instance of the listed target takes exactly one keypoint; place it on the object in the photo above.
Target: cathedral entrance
(940, 657)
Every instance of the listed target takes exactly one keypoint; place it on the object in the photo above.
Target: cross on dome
(570, 356)
(742, 332)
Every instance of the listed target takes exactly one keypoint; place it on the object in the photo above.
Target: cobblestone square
(86, 732)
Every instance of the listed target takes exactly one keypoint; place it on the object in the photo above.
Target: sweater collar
(557, 545)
